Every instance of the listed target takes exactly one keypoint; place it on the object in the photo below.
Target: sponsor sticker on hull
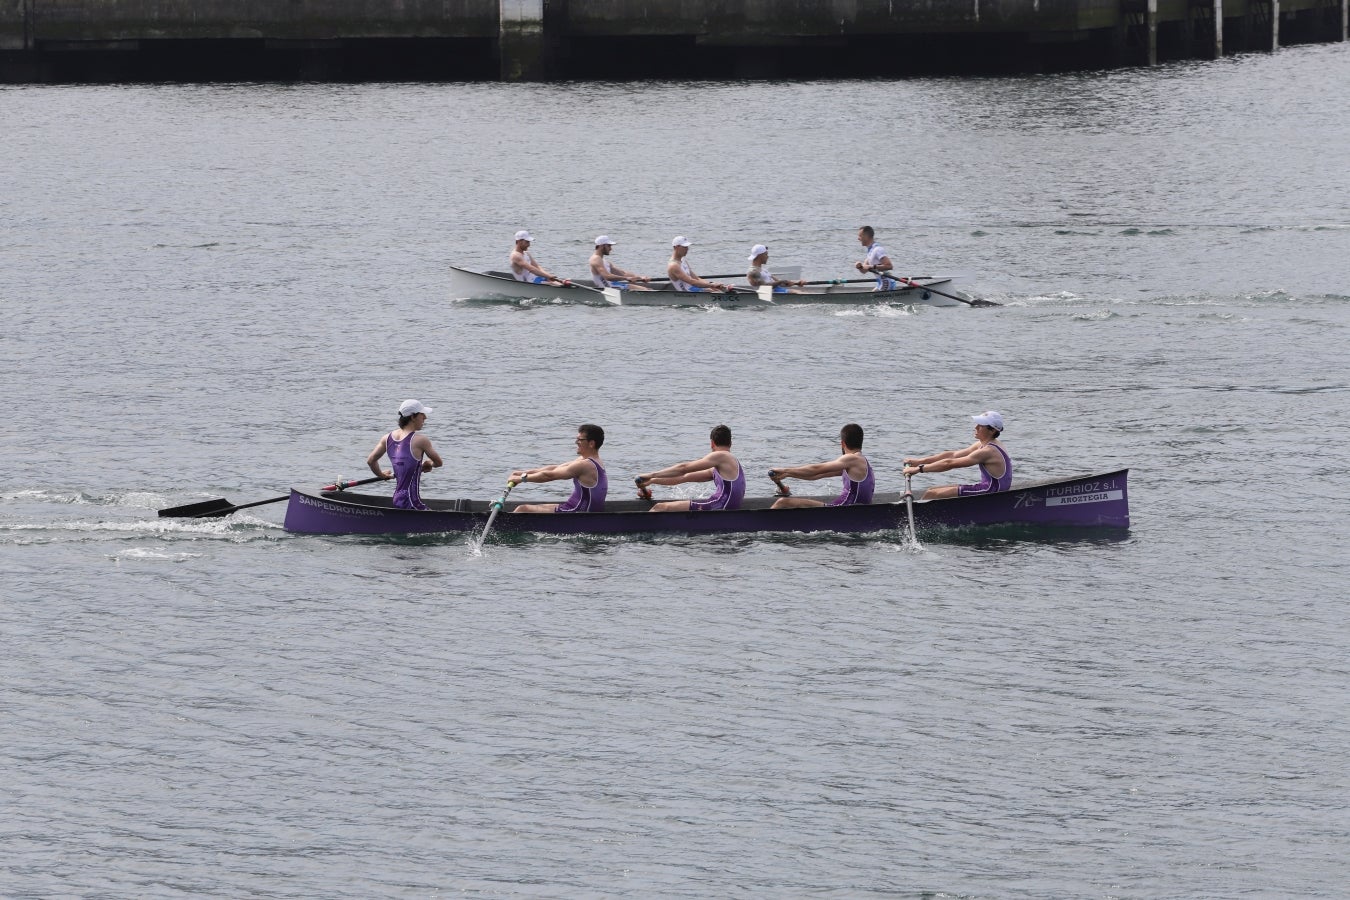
(334, 509)
(1077, 499)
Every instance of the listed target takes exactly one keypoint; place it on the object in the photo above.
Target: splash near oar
(492, 516)
(209, 509)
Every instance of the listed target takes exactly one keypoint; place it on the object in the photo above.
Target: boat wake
(239, 528)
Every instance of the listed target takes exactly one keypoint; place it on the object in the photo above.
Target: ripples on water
(221, 291)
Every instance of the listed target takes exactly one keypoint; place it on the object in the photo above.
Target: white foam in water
(221, 526)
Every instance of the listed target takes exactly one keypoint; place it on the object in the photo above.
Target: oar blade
(207, 508)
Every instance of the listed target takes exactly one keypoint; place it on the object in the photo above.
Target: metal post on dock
(1151, 31)
(521, 40)
(1218, 29)
(1137, 35)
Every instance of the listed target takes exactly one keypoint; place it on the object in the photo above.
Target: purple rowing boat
(1100, 501)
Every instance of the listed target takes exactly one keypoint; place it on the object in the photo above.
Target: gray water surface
(226, 290)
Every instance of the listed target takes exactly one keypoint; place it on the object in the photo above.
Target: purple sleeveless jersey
(725, 495)
(407, 472)
(856, 491)
(586, 499)
(988, 484)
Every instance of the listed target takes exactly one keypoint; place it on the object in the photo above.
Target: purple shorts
(712, 503)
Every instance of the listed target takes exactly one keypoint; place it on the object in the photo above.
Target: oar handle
(501, 501)
(778, 480)
(342, 484)
(644, 492)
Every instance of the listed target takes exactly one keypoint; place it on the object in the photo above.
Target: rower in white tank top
(681, 276)
(523, 266)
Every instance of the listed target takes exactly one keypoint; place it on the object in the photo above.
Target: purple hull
(1087, 501)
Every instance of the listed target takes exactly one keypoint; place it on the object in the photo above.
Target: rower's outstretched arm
(547, 473)
(813, 472)
(945, 454)
(679, 470)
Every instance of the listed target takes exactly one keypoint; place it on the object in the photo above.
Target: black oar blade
(217, 507)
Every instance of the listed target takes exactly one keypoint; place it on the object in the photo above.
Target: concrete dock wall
(542, 39)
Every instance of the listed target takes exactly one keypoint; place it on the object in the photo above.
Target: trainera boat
(469, 285)
(1098, 501)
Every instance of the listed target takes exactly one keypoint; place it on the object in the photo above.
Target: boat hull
(1094, 501)
(469, 285)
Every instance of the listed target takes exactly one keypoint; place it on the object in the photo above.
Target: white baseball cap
(757, 250)
(524, 235)
(412, 408)
(604, 239)
(680, 241)
(991, 419)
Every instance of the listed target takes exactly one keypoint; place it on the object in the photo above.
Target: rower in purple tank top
(995, 465)
(851, 466)
(410, 454)
(590, 484)
(719, 467)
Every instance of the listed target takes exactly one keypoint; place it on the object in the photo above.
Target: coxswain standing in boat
(589, 481)
(607, 275)
(995, 464)
(526, 269)
(759, 273)
(856, 472)
(719, 467)
(410, 454)
(682, 278)
(877, 261)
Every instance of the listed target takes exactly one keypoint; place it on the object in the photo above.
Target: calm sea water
(226, 290)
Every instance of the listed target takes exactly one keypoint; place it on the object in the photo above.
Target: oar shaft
(944, 293)
(492, 515)
(342, 484)
(210, 509)
(867, 280)
(709, 277)
(909, 510)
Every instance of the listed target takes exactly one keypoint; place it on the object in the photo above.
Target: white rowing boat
(466, 284)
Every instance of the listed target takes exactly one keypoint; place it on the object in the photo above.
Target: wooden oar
(709, 277)
(492, 516)
(911, 283)
(209, 509)
(856, 280)
(924, 287)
